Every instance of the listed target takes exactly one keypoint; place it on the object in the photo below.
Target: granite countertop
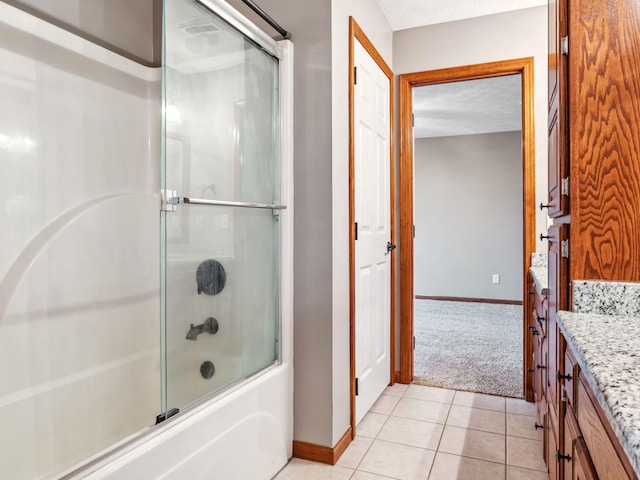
(607, 348)
(539, 272)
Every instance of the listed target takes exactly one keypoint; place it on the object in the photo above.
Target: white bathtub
(243, 435)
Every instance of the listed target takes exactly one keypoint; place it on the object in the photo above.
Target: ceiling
(460, 108)
(403, 14)
(470, 107)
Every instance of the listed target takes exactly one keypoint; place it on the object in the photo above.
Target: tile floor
(417, 433)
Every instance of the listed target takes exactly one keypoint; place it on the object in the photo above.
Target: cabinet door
(582, 465)
(558, 300)
(558, 159)
(552, 450)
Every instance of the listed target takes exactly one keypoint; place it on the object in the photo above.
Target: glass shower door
(220, 232)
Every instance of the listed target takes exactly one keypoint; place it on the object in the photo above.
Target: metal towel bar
(170, 201)
(202, 201)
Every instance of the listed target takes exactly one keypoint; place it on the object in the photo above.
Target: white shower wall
(79, 293)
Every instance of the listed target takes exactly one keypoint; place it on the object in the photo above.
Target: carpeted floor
(469, 346)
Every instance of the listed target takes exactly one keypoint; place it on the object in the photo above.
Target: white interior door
(372, 203)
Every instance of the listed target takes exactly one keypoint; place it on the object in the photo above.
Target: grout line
(441, 435)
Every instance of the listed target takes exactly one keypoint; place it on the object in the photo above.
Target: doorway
(407, 83)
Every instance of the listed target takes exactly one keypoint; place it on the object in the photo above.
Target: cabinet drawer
(605, 458)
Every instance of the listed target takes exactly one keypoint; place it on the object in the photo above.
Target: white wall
(79, 306)
(468, 216)
(517, 34)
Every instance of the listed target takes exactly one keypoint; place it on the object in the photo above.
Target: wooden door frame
(407, 82)
(356, 33)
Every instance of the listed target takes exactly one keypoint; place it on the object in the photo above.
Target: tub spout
(210, 326)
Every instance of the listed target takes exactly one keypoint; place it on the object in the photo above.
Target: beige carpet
(469, 346)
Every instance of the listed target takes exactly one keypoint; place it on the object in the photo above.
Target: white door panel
(372, 199)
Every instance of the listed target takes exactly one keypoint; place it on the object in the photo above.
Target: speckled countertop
(607, 348)
(539, 271)
(606, 298)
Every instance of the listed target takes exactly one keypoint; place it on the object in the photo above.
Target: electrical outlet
(496, 278)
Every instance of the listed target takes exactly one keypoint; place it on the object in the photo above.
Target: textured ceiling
(471, 107)
(403, 14)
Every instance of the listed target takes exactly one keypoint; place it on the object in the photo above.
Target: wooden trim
(406, 230)
(523, 66)
(356, 33)
(320, 453)
(342, 444)
(352, 238)
(396, 377)
(472, 300)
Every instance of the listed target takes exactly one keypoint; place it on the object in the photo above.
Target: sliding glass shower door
(220, 231)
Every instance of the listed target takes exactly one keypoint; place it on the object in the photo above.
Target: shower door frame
(282, 51)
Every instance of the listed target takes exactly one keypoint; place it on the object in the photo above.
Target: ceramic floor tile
(477, 419)
(396, 389)
(358, 475)
(371, 424)
(354, 452)
(397, 461)
(523, 426)
(473, 443)
(385, 404)
(522, 452)
(411, 432)
(298, 469)
(517, 473)
(455, 467)
(421, 410)
(479, 400)
(431, 394)
(521, 407)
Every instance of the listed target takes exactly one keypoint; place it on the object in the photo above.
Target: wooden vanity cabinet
(590, 450)
(594, 171)
(538, 365)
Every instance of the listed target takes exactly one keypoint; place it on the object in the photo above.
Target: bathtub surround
(79, 299)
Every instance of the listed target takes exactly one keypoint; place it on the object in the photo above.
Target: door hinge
(564, 45)
(565, 186)
(168, 414)
(356, 386)
(414, 343)
(414, 231)
(564, 248)
(356, 230)
(413, 120)
(355, 75)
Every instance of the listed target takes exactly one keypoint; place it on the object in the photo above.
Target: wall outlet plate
(496, 278)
